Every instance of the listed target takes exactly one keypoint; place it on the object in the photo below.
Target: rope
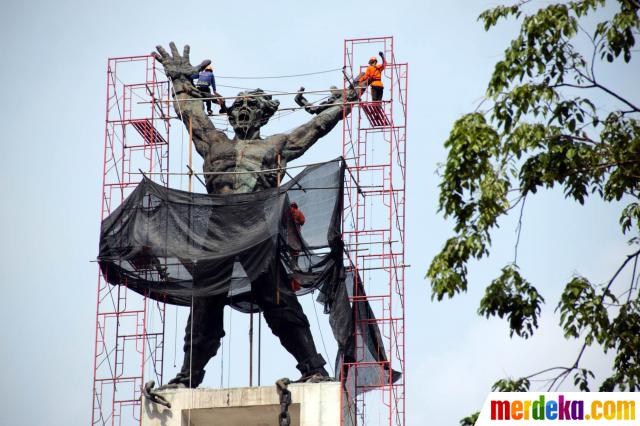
(288, 111)
(222, 361)
(192, 394)
(278, 76)
(258, 78)
(175, 338)
(279, 109)
(280, 169)
(260, 343)
(229, 361)
(249, 88)
(256, 95)
(313, 302)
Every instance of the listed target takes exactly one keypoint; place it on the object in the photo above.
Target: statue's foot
(315, 378)
(170, 386)
(184, 379)
(312, 370)
(317, 375)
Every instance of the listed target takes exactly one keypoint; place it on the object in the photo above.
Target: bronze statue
(246, 155)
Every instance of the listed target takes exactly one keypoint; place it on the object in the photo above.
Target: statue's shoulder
(277, 140)
(216, 136)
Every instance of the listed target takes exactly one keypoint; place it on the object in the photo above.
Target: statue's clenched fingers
(163, 53)
(185, 52)
(174, 50)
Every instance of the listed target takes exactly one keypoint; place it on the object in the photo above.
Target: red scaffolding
(129, 344)
(374, 140)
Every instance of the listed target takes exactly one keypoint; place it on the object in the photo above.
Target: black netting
(174, 245)
(367, 349)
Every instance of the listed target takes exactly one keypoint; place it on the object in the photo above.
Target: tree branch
(595, 50)
(518, 231)
(546, 370)
(575, 86)
(604, 166)
(582, 139)
(594, 83)
(618, 97)
(633, 277)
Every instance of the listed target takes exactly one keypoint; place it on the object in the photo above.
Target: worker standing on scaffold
(373, 77)
(206, 83)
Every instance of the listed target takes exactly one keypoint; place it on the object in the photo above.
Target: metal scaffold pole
(129, 337)
(374, 148)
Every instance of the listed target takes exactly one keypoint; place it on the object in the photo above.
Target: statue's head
(250, 111)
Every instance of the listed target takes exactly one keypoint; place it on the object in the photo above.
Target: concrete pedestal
(314, 404)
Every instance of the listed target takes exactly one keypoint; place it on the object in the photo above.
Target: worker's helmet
(373, 59)
(294, 205)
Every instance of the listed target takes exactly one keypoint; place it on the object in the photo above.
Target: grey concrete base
(314, 404)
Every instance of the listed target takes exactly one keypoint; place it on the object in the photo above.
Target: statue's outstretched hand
(176, 66)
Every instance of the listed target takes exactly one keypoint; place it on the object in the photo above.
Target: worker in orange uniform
(298, 220)
(373, 77)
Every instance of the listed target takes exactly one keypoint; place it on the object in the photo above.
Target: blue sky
(52, 121)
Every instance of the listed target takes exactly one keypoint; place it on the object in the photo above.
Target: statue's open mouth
(244, 116)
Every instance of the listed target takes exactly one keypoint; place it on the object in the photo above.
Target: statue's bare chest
(246, 155)
(240, 164)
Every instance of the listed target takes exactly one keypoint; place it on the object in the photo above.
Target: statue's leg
(287, 321)
(204, 330)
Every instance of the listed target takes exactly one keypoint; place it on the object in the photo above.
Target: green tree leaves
(472, 191)
(469, 176)
(512, 296)
(470, 420)
(624, 338)
(449, 268)
(583, 311)
(630, 217)
(619, 32)
(512, 385)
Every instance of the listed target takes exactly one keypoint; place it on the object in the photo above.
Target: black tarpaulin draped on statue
(173, 245)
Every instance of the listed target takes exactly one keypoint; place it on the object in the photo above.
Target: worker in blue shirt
(205, 82)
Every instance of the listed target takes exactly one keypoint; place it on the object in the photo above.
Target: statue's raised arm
(179, 69)
(329, 113)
